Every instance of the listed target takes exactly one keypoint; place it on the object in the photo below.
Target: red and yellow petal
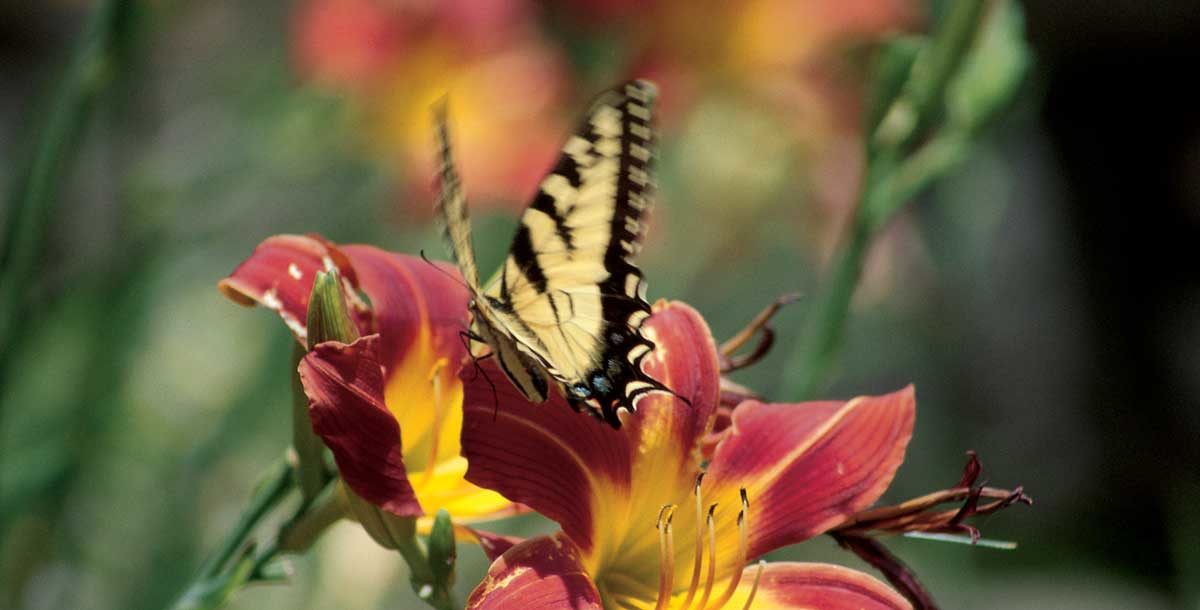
(419, 310)
(344, 384)
(796, 586)
(279, 276)
(546, 456)
(807, 466)
(582, 473)
(444, 486)
(543, 573)
(492, 544)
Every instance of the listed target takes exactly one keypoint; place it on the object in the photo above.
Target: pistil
(435, 428)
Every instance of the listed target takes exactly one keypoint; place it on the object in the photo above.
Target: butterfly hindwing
(568, 299)
(577, 298)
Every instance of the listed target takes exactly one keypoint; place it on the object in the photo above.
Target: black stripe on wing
(620, 380)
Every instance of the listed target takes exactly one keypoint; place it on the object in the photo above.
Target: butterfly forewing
(569, 291)
(452, 203)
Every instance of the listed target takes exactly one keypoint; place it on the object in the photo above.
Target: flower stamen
(743, 547)
(712, 557)
(699, 554)
(666, 556)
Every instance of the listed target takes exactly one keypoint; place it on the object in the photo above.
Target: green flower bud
(442, 550)
(328, 317)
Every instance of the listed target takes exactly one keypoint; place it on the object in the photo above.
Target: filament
(743, 546)
(699, 553)
(666, 556)
(712, 557)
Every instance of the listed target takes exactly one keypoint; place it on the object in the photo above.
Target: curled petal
(540, 574)
(443, 486)
(493, 545)
(685, 360)
(580, 472)
(808, 466)
(419, 308)
(344, 384)
(794, 586)
(279, 276)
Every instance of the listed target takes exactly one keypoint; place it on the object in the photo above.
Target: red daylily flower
(642, 528)
(387, 405)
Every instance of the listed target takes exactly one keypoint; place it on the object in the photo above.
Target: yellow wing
(524, 372)
(569, 293)
(452, 204)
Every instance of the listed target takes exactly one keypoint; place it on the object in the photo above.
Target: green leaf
(890, 72)
(994, 70)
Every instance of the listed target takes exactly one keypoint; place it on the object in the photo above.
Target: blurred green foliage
(138, 407)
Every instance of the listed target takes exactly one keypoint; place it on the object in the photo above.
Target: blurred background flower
(1043, 300)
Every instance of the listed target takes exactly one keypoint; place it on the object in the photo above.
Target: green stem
(894, 176)
(314, 518)
(221, 575)
(920, 102)
(94, 62)
(828, 316)
(276, 486)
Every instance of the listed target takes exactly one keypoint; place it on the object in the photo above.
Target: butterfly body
(568, 302)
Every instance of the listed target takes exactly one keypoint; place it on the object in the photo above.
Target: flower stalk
(932, 100)
(324, 497)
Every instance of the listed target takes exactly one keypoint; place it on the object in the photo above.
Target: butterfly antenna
(457, 280)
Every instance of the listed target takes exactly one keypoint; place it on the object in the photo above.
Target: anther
(666, 555)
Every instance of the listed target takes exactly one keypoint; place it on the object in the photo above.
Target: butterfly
(567, 304)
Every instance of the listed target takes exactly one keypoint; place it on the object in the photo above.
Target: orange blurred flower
(395, 59)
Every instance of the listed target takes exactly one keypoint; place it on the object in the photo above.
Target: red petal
(493, 545)
(563, 464)
(344, 384)
(807, 466)
(542, 573)
(684, 360)
(817, 585)
(409, 294)
(279, 276)
(541, 455)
